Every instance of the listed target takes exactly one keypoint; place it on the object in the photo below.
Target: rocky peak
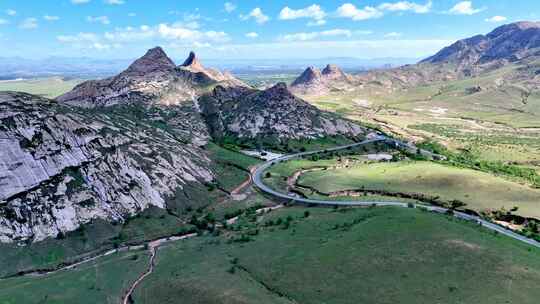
(280, 89)
(311, 74)
(193, 62)
(332, 71)
(153, 61)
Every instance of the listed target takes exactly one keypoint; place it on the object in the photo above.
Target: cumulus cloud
(465, 8)
(252, 35)
(407, 6)
(3, 21)
(496, 19)
(29, 24)
(115, 2)
(312, 12)
(349, 10)
(256, 14)
(132, 15)
(11, 12)
(176, 34)
(229, 7)
(316, 35)
(79, 1)
(100, 19)
(51, 18)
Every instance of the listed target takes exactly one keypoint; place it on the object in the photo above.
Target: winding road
(258, 182)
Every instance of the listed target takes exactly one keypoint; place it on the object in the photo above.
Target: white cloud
(51, 18)
(316, 35)
(392, 35)
(101, 19)
(465, 8)
(496, 19)
(252, 35)
(80, 37)
(115, 2)
(229, 7)
(29, 24)
(160, 34)
(3, 21)
(79, 1)
(132, 15)
(348, 10)
(11, 12)
(312, 12)
(256, 14)
(407, 6)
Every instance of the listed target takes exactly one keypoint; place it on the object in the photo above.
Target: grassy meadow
(320, 255)
(480, 191)
(46, 87)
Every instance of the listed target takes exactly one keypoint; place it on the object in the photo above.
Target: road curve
(258, 182)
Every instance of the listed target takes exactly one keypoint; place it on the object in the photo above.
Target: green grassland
(480, 191)
(500, 120)
(101, 281)
(310, 255)
(379, 255)
(232, 168)
(47, 87)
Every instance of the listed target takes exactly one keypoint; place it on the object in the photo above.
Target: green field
(232, 168)
(311, 255)
(380, 255)
(102, 281)
(47, 87)
(480, 191)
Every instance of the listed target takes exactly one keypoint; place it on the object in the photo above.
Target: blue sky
(248, 29)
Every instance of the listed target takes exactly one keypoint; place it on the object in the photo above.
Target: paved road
(258, 181)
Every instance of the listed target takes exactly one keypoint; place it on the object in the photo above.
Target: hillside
(63, 167)
(274, 114)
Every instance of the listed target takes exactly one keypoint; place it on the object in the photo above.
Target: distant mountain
(508, 43)
(153, 78)
(315, 82)
(516, 44)
(274, 115)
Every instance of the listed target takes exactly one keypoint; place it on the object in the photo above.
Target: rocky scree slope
(315, 82)
(62, 167)
(273, 113)
(152, 79)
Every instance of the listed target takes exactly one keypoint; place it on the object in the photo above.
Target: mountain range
(112, 148)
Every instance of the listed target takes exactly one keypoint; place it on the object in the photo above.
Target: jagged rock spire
(193, 62)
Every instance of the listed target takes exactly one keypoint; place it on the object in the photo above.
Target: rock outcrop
(62, 167)
(314, 82)
(274, 113)
(152, 79)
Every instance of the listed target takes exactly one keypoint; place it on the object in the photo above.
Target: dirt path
(152, 247)
(246, 183)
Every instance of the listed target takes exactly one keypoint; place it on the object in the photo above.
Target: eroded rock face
(63, 167)
(152, 79)
(275, 112)
(314, 82)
